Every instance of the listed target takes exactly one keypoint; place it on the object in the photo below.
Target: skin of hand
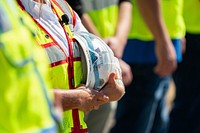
(118, 41)
(165, 52)
(81, 98)
(127, 75)
(116, 45)
(183, 45)
(166, 58)
(114, 89)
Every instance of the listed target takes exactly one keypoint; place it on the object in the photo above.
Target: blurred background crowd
(156, 88)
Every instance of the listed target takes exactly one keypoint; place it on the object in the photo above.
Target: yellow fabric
(60, 13)
(191, 15)
(105, 20)
(59, 75)
(172, 12)
(23, 75)
(78, 73)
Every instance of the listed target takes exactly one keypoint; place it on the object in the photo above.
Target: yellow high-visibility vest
(65, 71)
(191, 15)
(172, 11)
(25, 102)
(104, 14)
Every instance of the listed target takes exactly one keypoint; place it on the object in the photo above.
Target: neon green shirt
(172, 13)
(191, 15)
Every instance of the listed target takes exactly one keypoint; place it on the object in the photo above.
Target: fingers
(165, 69)
(114, 89)
(96, 107)
(102, 98)
(127, 79)
(166, 57)
(112, 78)
(127, 75)
(106, 40)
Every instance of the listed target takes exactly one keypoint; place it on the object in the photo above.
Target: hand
(114, 89)
(127, 75)
(91, 99)
(166, 58)
(183, 45)
(81, 98)
(116, 45)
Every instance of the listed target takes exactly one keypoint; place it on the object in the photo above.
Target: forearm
(81, 98)
(69, 99)
(89, 25)
(124, 22)
(151, 13)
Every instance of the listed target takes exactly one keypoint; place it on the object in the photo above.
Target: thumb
(102, 97)
(157, 68)
(112, 78)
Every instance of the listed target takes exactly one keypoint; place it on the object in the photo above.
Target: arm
(87, 99)
(118, 41)
(89, 25)
(77, 6)
(127, 75)
(165, 52)
(80, 98)
(114, 89)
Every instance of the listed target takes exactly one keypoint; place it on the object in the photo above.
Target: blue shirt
(143, 52)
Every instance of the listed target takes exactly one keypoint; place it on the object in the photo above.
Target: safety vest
(172, 12)
(25, 102)
(104, 14)
(191, 15)
(65, 71)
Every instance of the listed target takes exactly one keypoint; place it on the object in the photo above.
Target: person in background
(79, 8)
(123, 16)
(109, 20)
(185, 116)
(56, 25)
(26, 104)
(153, 50)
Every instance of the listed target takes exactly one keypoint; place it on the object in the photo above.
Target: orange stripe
(20, 4)
(57, 8)
(48, 45)
(74, 18)
(71, 11)
(77, 127)
(77, 59)
(75, 114)
(73, 15)
(58, 63)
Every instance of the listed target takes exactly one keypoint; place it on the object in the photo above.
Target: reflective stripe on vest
(104, 15)
(66, 72)
(98, 4)
(24, 72)
(61, 8)
(55, 54)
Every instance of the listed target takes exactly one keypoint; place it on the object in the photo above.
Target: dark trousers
(185, 115)
(142, 109)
